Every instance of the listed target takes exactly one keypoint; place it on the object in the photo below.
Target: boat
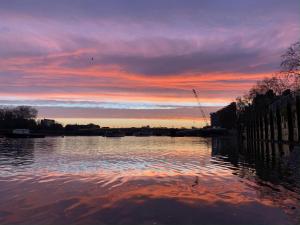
(23, 133)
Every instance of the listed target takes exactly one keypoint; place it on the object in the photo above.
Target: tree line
(18, 117)
(283, 82)
(25, 117)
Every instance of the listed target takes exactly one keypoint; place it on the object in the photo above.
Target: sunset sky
(135, 62)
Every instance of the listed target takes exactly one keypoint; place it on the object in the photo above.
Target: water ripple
(82, 179)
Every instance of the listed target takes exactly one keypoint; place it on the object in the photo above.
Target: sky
(135, 62)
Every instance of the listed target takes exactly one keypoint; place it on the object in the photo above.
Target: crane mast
(200, 107)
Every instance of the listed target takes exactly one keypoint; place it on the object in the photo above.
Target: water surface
(145, 180)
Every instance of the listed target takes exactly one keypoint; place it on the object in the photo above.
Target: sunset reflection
(98, 179)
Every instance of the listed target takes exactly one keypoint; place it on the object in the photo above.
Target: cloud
(225, 12)
(189, 113)
(143, 51)
(105, 104)
(215, 60)
(163, 56)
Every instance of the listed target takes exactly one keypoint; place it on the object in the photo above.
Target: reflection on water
(147, 180)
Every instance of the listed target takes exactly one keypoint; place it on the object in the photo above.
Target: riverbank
(143, 131)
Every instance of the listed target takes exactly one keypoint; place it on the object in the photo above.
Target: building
(225, 117)
(47, 122)
(214, 120)
(272, 119)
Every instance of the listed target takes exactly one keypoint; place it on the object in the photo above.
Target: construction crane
(200, 107)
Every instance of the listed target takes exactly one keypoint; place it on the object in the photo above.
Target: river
(144, 180)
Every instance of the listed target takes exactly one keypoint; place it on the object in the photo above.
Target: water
(145, 180)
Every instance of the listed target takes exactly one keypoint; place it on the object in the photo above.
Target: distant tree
(290, 66)
(274, 84)
(277, 84)
(72, 127)
(25, 112)
(291, 60)
(242, 103)
(18, 117)
(287, 79)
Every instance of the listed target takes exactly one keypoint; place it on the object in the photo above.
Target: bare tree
(17, 117)
(25, 112)
(290, 66)
(287, 78)
(291, 60)
(277, 83)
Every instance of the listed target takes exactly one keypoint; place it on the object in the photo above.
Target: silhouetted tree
(25, 112)
(287, 79)
(291, 60)
(18, 117)
(290, 66)
(272, 85)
